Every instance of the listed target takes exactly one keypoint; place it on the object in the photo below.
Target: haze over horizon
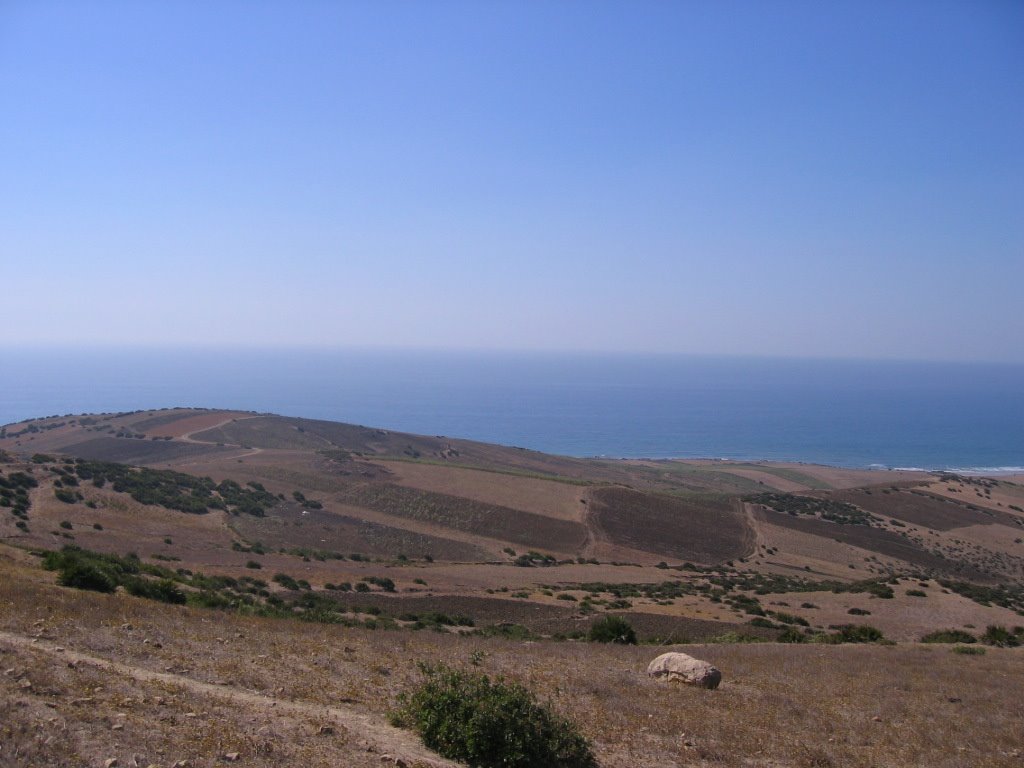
(795, 179)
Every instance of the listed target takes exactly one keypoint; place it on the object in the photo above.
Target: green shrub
(861, 633)
(967, 650)
(381, 581)
(163, 590)
(286, 581)
(1001, 637)
(612, 629)
(84, 575)
(64, 495)
(489, 724)
(792, 635)
(949, 636)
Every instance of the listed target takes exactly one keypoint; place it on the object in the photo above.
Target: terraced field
(702, 529)
(491, 520)
(924, 509)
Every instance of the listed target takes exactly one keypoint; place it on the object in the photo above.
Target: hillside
(296, 540)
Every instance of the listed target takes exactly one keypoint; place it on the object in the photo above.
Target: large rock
(685, 669)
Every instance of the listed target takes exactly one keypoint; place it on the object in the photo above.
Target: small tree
(612, 629)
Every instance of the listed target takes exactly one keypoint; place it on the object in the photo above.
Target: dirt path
(589, 524)
(187, 437)
(759, 541)
(385, 738)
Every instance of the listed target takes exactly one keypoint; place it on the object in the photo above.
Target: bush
(286, 581)
(949, 636)
(859, 634)
(83, 575)
(792, 635)
(1001, 637)
(612, 629)
(967, 650)
(65, 495)
(163, 590)
(489, 724)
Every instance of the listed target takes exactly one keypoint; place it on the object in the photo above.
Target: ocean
(842, 413)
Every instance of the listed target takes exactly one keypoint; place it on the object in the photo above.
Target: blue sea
(842, 413)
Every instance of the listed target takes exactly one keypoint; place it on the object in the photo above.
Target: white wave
(964, 470)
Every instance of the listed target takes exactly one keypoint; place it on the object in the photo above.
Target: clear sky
(841, 179)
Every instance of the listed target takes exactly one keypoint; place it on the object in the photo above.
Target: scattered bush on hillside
(82, 575)
(286, 581)
(176, 490)
(1001, 637)
(850, 633)
(827, 509)
(163, 590)
(82, 569)
(1004, 595)
(968, 650)
(792, 635)
(489, 724)
(949, 636)
(532, 558)
(612, 629)
(381, 581)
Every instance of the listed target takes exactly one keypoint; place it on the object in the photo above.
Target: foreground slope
(91, 677)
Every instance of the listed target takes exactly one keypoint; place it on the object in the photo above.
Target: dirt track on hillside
(382, 737)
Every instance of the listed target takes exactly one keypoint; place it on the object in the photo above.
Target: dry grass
(779, 705)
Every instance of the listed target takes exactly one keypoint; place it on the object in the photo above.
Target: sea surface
(842, 413)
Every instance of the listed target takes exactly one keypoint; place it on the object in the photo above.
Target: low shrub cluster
(949, 636)
(612, 629)
(487, 723)
(14, 490)
(827, 509)
(176, 490)
(82, 569)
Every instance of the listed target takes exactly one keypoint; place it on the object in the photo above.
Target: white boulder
(685, 669)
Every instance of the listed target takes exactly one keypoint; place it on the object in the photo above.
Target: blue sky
(786, 178)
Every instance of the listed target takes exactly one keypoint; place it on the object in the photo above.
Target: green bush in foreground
(489, 724)
(612, 629)
(82, 575)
